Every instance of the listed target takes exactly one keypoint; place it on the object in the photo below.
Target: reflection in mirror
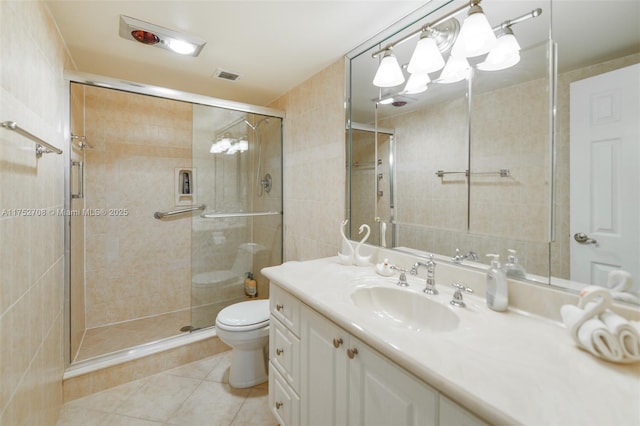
(502, 124)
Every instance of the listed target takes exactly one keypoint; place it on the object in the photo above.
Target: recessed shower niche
(185, 186)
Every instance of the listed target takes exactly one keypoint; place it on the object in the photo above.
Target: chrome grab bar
(501, 173)
(162, 215)
(42, 147)
(237, 214)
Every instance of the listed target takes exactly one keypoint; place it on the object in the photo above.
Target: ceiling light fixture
(154, 35)
(389, 73)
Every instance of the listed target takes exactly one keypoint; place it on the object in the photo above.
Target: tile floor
(190, 395)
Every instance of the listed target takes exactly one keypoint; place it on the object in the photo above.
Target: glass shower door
(236, 174)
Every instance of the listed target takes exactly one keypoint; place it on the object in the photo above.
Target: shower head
(255, 127)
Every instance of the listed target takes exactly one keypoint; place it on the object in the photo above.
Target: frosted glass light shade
(389, 73)
(476, 36)
(426, 57)
(505, 54)
(456, 69)
(417, 83)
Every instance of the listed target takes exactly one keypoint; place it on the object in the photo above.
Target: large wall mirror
(481, 162)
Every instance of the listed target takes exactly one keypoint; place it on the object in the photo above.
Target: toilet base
(248, 367)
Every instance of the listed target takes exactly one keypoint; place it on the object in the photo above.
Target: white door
(605, 177)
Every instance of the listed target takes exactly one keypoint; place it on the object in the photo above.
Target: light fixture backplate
(446, 34)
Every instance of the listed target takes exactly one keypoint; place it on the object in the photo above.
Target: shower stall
(173, 200)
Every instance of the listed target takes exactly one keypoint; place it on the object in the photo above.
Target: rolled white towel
(619, 280)
(573, 317)
(594, 336)
(628, 336)
(593, 293)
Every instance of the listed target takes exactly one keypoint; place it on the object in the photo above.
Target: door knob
(583, 238)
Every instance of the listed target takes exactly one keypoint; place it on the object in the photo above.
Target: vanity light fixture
(417, 83)
(475, 38)
(227, 144)
(389, 73)
(154, 35)
(476, 35)
(456, 69)
(426, 57)
(505, 54)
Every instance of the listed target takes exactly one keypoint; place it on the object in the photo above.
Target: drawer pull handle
(278, 405)
(279, 351)
(279, 307)
(337, 342)
(352, 353)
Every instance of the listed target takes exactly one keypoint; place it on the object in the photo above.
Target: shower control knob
(279, 351)
(279, 307)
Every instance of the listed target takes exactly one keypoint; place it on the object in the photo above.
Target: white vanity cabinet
(319, 374)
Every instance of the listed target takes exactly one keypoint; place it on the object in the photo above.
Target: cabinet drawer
(286, 308)
(283, 401)
(284, 352)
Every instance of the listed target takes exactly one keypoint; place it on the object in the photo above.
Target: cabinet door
(323, 368)
(381, 393)
(451, 414)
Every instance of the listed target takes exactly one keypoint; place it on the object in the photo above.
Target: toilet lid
(243, 314)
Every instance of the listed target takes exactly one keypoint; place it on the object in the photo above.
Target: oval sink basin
(405, 308)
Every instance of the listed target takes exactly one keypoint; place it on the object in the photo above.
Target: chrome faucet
(430, 265)
(459, 257)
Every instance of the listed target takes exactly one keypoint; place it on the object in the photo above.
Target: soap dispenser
(512, 269)
(497, 291)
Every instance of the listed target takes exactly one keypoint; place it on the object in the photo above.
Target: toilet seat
(244, 316)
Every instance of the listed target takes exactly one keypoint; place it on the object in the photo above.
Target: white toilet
(245, 327)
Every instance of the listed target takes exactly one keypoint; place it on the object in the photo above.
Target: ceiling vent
(226, 75)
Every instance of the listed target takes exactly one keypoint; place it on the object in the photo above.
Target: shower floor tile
(110, 338)
(193, 394)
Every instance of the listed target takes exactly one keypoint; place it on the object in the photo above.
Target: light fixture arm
(508, 23)
(426, 27)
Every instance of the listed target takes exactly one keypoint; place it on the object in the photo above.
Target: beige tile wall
(136, 266)
(32, 59)
(314, 171)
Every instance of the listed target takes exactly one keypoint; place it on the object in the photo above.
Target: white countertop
(506, 367)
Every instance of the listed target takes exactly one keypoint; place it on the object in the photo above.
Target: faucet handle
(458, 300)
(462, 287)
(402, 281)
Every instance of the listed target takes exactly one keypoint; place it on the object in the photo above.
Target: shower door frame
(137, 88)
